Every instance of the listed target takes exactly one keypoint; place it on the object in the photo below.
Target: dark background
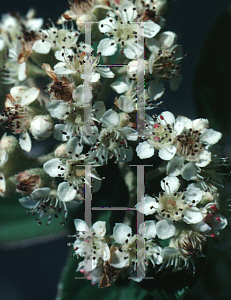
(32, 273)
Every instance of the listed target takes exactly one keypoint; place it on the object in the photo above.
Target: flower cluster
(74, 113)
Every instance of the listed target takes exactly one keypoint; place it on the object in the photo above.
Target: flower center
(189, 145)
(171, 206)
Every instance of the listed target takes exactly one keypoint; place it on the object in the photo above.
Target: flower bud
(32, 179)
(60, 151)
(10, 144)
(41, 127)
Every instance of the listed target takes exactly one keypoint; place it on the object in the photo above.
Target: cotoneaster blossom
(18, 113)
(91, 244)
(112, 139)
(134, 252)
(121, 27)
(71, 168)
(174, 205)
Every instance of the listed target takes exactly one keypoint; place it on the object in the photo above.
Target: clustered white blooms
(87, 133)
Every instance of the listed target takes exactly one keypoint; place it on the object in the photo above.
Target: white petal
(156, 89)
(41, 47)
(51, 167)
(74, 146)
(166, 117)
(106, 252)
(126, 104)
(165, 229)
(193, 192)
(192, 215)
(40, 193)
(153, 45)
(174, 166)
(167, 152)
(27, 202)
(148, 229)
(151, 29)
(201, 226)
(119, 86)
(127, 12)
(80, 226)
(22, 71)
(105, 72)
(121, 232)
(57, 108)
(17, 92)
(117, 260)
(129, 133)
(144, 150)
(181, 124)
(170, 184)
(59, 128)
(210, 136)
(78, 95)
(106, 47)
(132, 50)
(99, 228)
(34, 24)
(200, 124)
(219, 221)
(2, 183)
(147, 206)
(167, 39)
(106, 26)
(60, 57)
(65, 192)
(189, 171)
(99, 109)
(3, 157)
(29, 96)
(25, 141)
(204, 159)
(110, 118)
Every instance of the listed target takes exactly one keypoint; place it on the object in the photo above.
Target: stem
(130, 181)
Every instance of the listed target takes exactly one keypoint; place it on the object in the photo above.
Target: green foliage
(16, 225)
(212, 77)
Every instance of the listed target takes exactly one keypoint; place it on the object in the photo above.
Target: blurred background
(31, 270)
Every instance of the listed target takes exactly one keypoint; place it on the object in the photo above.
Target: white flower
(193, 140)
(46, 203)
(76, 65)
(55, 38)
(122, 31)
(135, 251)
(19, 114)
(112, 140)
(72, 116)
(71, 168)
(174, 205)
(160, 136)
(13, 72)
(91, 244)
(165, 58)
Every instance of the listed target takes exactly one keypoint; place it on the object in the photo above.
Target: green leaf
(212, 77)
(16, 225)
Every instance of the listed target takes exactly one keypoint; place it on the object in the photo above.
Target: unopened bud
(41, 127)
(60, 151)
(32, 179)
